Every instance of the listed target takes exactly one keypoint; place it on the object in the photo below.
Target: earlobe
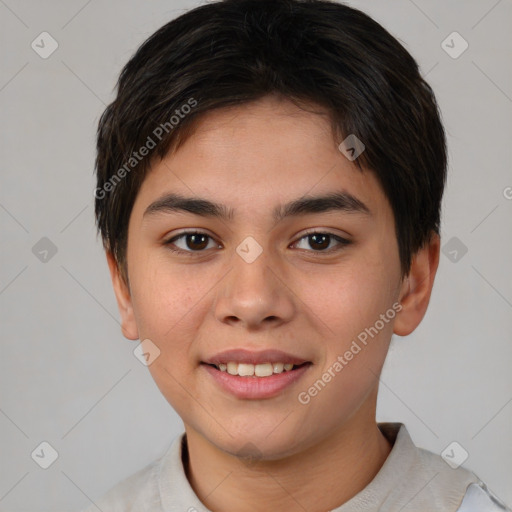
(417, 287)
(124, 300)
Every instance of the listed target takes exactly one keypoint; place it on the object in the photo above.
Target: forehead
(260, 155)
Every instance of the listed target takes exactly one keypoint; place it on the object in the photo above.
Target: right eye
(192, 241)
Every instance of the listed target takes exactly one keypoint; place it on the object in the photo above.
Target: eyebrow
(336, 201)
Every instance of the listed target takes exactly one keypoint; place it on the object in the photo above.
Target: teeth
(232, 368)
(278, 367)
(245, 370)
(263, 370)
(249, 370)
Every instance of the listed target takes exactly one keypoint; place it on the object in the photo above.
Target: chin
(256, 444)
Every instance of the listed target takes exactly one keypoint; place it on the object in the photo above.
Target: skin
(293, 297)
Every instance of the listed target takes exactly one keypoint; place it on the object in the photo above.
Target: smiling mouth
(255, 370)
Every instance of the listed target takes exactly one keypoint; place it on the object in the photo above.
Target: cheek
(166, 296)
(354, 340)
(168, 303)
(347, 299)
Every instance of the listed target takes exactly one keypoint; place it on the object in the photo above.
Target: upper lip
(253, 357)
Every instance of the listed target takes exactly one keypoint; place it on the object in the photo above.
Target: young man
(270, 178)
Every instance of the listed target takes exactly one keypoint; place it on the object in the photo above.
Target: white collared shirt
(410, 480)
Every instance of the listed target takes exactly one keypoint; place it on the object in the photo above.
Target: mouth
(261, 370)
(249, 375)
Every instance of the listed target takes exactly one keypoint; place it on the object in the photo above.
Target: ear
(124, 300)
(417, 287)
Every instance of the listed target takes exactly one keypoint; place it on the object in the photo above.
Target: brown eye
(197, 241)
(321, 242)
(190, 242)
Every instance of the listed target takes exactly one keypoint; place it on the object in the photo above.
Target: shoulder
(136, 493)
(456, 489)
(417, 479)
(479, 498)
(158, 487)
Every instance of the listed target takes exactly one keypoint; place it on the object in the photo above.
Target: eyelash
(343, 242)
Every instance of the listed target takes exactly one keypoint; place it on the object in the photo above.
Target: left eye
(320, 241)
(198, 242)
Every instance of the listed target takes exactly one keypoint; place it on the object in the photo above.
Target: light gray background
(68, 376)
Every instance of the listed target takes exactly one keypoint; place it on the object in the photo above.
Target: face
(307, 282)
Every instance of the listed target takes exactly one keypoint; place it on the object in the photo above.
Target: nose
(255, 295)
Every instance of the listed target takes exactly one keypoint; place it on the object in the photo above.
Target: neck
(320, 478)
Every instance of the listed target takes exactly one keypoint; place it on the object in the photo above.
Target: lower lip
(256, 387)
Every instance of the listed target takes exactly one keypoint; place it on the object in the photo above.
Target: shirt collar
(177, 494)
